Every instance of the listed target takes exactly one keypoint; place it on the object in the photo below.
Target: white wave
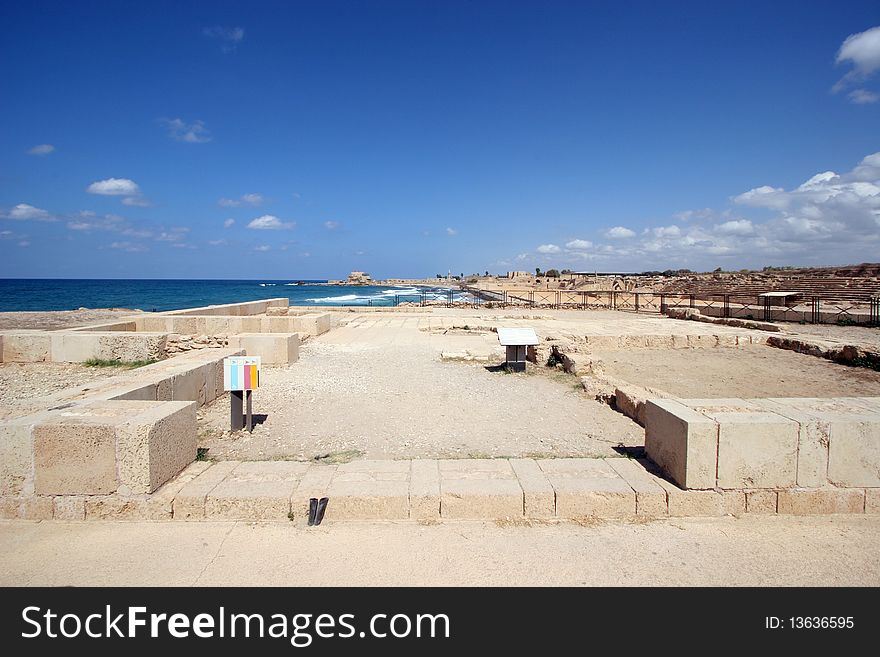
(266, 284)
(344, 297)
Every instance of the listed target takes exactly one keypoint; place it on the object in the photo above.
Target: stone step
(429, 490)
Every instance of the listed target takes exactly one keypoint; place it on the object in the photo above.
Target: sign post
(241, 375)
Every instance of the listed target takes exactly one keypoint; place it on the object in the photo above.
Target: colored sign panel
(241, 373)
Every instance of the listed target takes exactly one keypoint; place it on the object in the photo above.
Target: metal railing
(801, 308)
(808, 309)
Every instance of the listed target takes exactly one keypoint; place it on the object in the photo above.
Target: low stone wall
(122, 436)
(310, 324)
(766, 443)
(840, 353)
(697, 316)
(79, 346)
(240, 309)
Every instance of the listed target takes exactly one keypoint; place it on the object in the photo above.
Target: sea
(161, 295)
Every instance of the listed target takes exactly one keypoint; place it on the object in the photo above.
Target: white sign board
(517, 337)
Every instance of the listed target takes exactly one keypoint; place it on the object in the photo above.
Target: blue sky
(304, 140)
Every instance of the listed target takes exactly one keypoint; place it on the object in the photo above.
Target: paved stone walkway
(429, 490)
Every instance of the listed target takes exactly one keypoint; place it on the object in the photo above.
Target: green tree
(552, 273)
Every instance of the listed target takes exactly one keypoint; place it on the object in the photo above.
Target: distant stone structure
(358, 278)
(518, 274)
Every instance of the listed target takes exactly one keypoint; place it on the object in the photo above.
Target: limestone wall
(766, 443)
(124, 436)
(240, 309)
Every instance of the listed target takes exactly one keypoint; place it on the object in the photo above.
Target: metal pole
(235, 410)
(250, 417)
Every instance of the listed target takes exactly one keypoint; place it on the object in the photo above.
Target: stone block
(183, 325)
(539, 498)
(683, 442)
(277, 325)
(273, 348)
(588, 488)
(26, 508)
(479, 488)
(370, 490)
(761, 501)
(156, 445)
(756, 448)
(801, 502)
(658, 341)
(872, 500)
(424, 489)
(17, 454)
(813, 437)
(841, 432)
(75, 456)
(69, 507)
(315, 482)
(155, 323)
(259, 490)
(686, 503)
(854, 451)
(27, 347)
(189, 503)
(650, 496)
(251, 324)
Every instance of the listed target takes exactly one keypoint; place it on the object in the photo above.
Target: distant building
(518, 274)
(358, 278)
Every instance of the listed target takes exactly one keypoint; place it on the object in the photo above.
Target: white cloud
(221, 242)
(24, 243)
(736, 227)
(548, 248)
(763, 197)
(451, 232)
(87, 220)
(687, 215)
(619, 233)
(244, 199)
(228, 223)
(664, 231)
(862, 51)
(174, 234)
(130, 247)
(829, 219)
(229, 37)
(263, 248)
(270, 222)
(41, 149)
(136, 201)
(579, 245)
(25, 212)
(862, 97)
(191, 133)
(331, 225)
(114, 187)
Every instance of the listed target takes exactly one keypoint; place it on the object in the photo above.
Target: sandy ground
(23, 381)
(749, 551)
(59, 319)
(367, 400)
(739, 372)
